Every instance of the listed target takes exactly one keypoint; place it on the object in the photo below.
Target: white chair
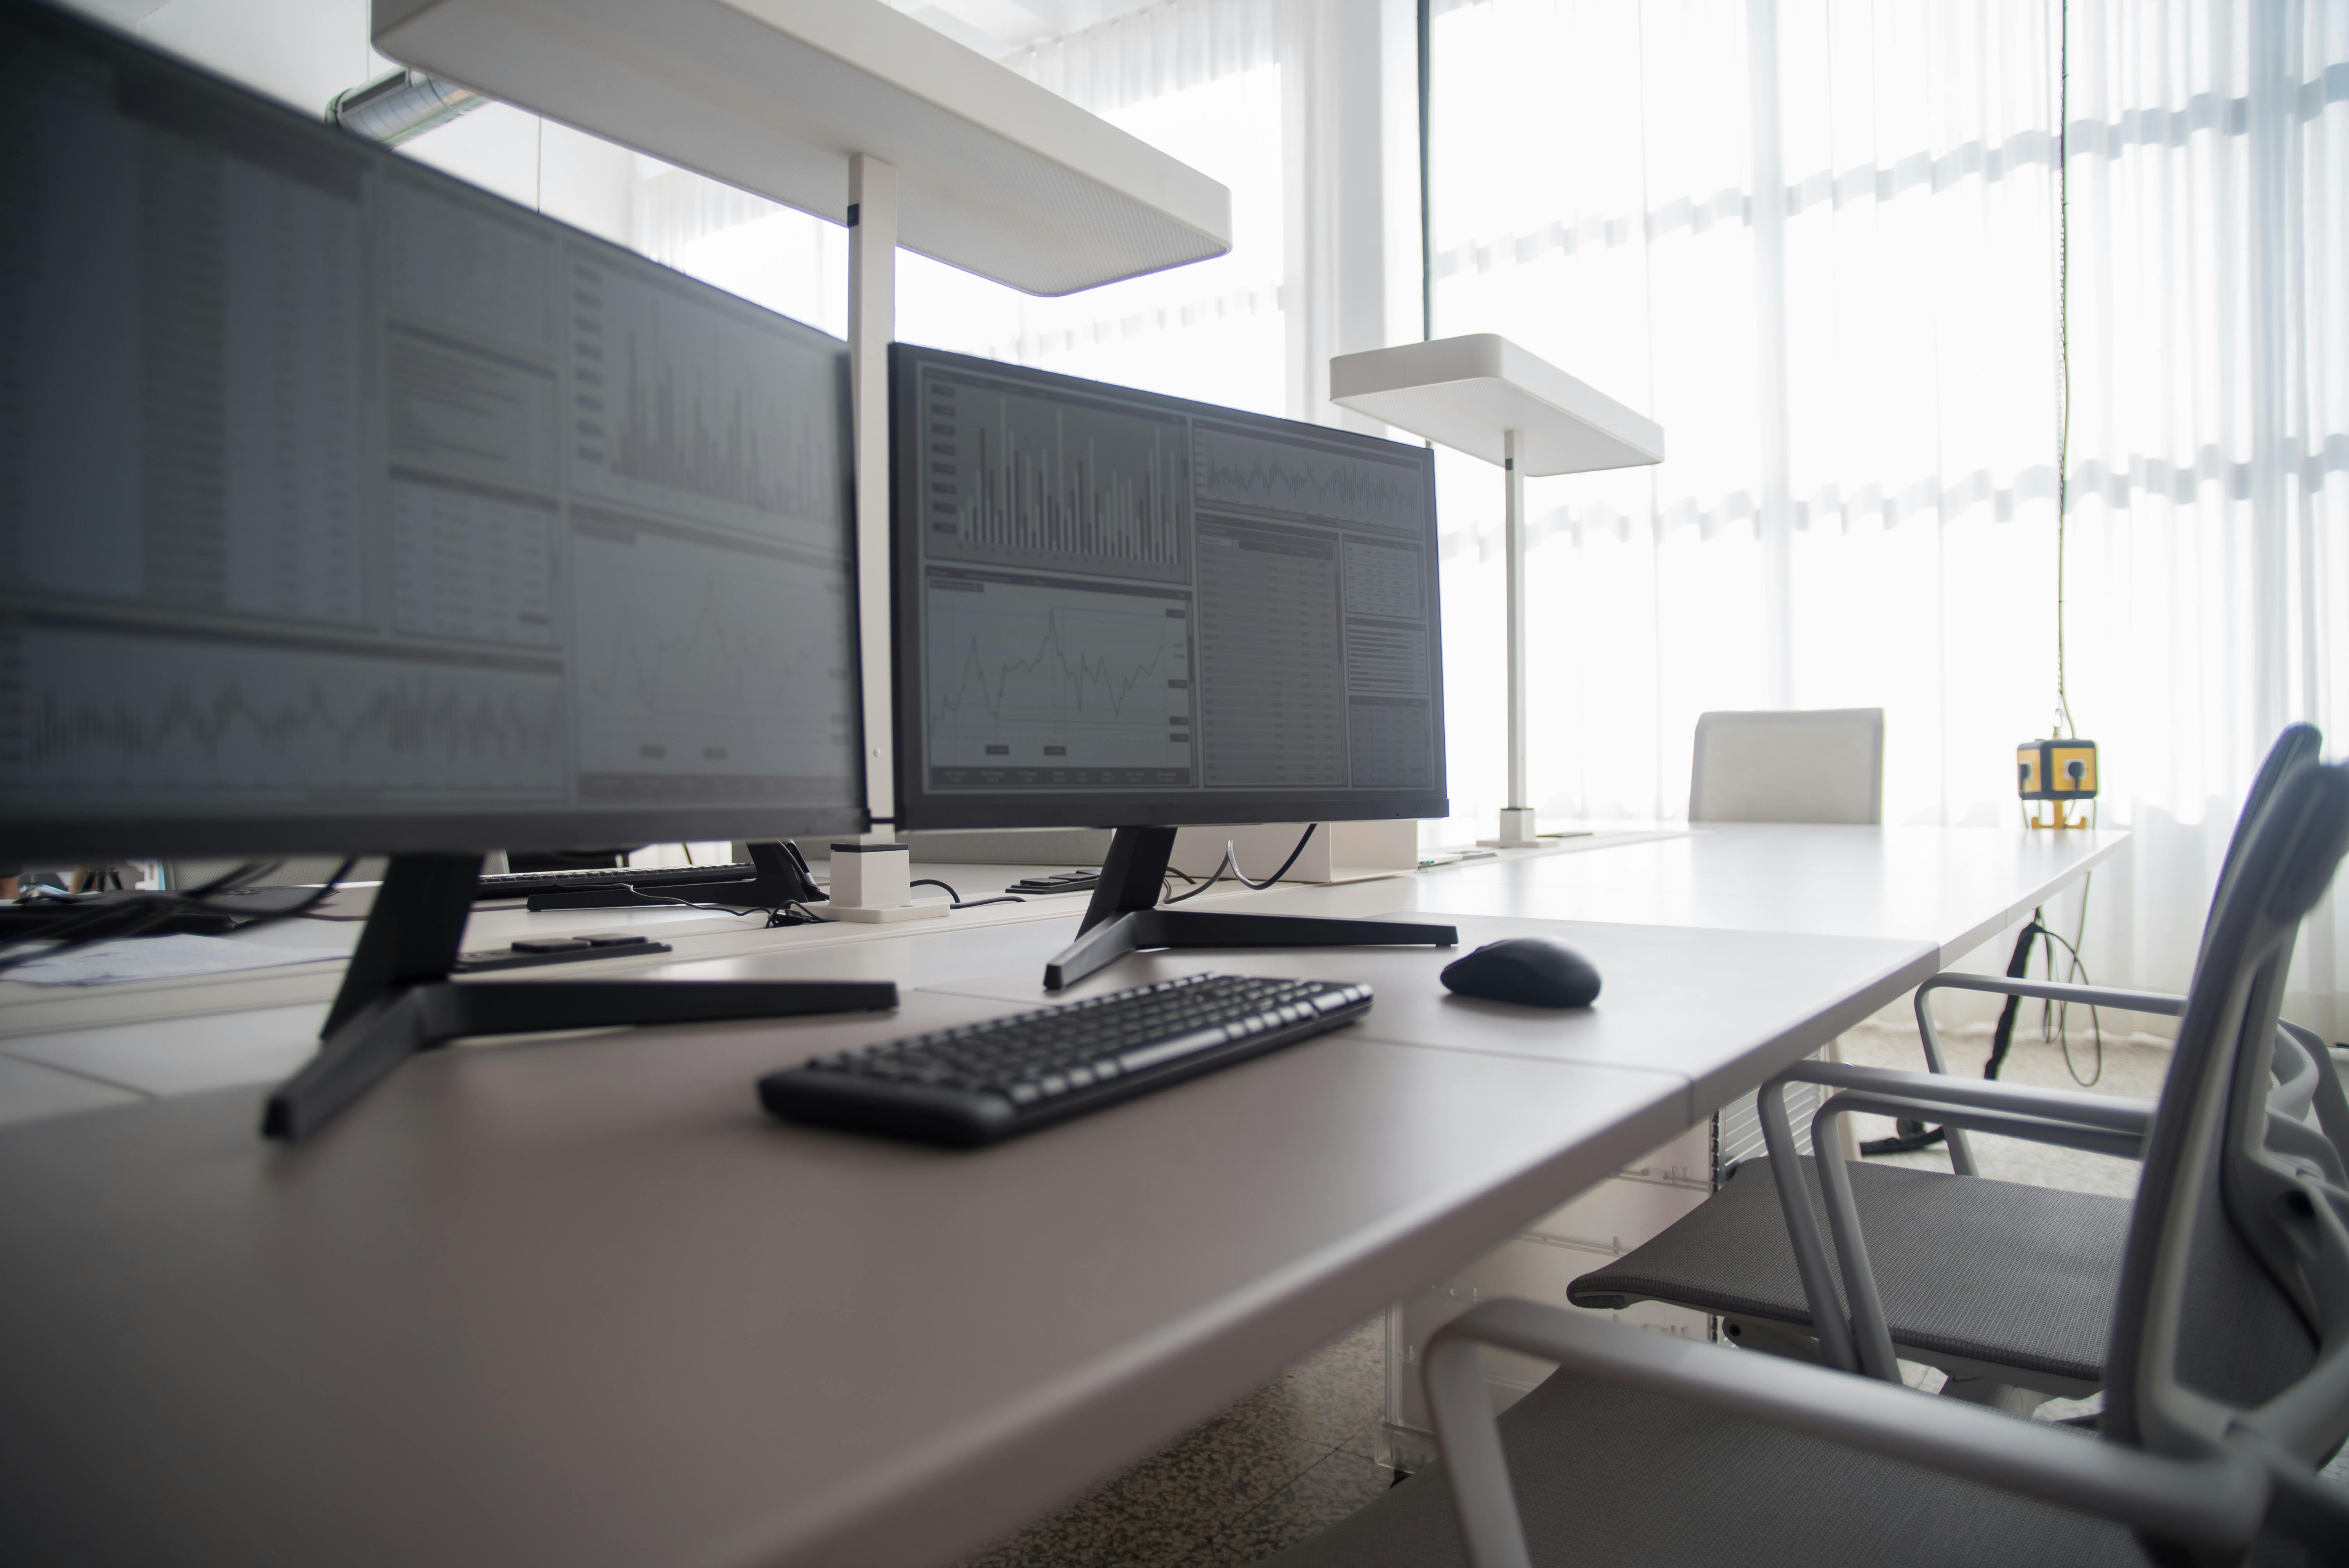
(1797, 765)
(1791, 765)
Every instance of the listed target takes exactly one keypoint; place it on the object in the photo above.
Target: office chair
(1799, 765)
(2230, 1368)
(2006, 1288)
(1813, 765)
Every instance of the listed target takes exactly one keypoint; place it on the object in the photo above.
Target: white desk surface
(578, 1300)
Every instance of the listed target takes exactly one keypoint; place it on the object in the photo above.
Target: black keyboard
(521, 884)
(981, 1082)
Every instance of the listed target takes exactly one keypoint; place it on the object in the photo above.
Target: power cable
(2063, 341)
(961, 902)
(1230, 863)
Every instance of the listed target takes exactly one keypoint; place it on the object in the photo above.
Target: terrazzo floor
(1281, 1464)
(1295, 1456)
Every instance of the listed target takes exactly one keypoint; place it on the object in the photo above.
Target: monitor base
(397, 1000)
(1123, 918)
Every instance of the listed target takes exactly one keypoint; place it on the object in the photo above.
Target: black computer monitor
(1119, 609)
(346, 508)
(350, 507)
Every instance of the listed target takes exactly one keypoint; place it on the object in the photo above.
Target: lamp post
(1483, 395)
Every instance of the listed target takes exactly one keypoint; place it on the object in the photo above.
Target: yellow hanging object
(2061, 772)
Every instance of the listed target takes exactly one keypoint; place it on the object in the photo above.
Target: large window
(1820, 244)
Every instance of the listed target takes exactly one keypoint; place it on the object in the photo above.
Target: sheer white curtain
(1201, 79)
(1819, 244)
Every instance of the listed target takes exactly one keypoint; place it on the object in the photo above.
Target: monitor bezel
(919, 808)
(142, 834)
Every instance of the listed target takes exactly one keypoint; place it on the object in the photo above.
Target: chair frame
(2185, 1469)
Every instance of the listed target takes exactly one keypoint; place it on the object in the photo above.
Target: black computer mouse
(1529, 969)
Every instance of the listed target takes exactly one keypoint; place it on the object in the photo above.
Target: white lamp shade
(1466, 392)
(995, 174)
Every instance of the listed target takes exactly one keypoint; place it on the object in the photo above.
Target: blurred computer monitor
(346, 507)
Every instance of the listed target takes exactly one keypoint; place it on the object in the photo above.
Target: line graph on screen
(94, 717)
(1237, 469)
(1023, 675)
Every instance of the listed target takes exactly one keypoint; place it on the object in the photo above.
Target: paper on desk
(173, 957)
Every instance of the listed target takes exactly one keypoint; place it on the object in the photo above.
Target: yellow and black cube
(2056, 770)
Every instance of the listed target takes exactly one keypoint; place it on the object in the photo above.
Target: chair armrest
(2158, 1001)
(2103, 1111)
(2217, 1502)
(2064, 1133)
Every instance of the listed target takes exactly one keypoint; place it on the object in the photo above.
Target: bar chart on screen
(697, 410)
(1076, 482)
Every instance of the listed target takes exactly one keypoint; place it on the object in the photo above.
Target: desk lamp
(1484, 396)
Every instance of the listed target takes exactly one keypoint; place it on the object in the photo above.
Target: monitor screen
(1116, 609)
(345, 507)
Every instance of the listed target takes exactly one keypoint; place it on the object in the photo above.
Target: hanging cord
(136, 914)
(2054, 1017)
(2063, 341)
(1230, 863)
(1909, 1136)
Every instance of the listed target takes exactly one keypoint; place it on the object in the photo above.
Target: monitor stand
(779, 876)
(1123, 918)
(397, 1000)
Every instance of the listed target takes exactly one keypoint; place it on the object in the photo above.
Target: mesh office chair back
(2232, 1283)
(1815, 764)
(2296, 747)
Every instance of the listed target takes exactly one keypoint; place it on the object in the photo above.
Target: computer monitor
(1117, 608)
(345, 507)
(349, 507)
(1120, 609)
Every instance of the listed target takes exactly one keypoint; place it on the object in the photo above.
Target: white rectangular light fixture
(1467, 392)
(995, 174)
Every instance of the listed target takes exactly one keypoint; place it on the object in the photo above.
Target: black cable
(1909, 1134)
(1230, 863)
(960, 902)
(139, 913)
(664, 898)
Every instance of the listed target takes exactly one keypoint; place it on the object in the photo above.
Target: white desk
(579, 1301)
